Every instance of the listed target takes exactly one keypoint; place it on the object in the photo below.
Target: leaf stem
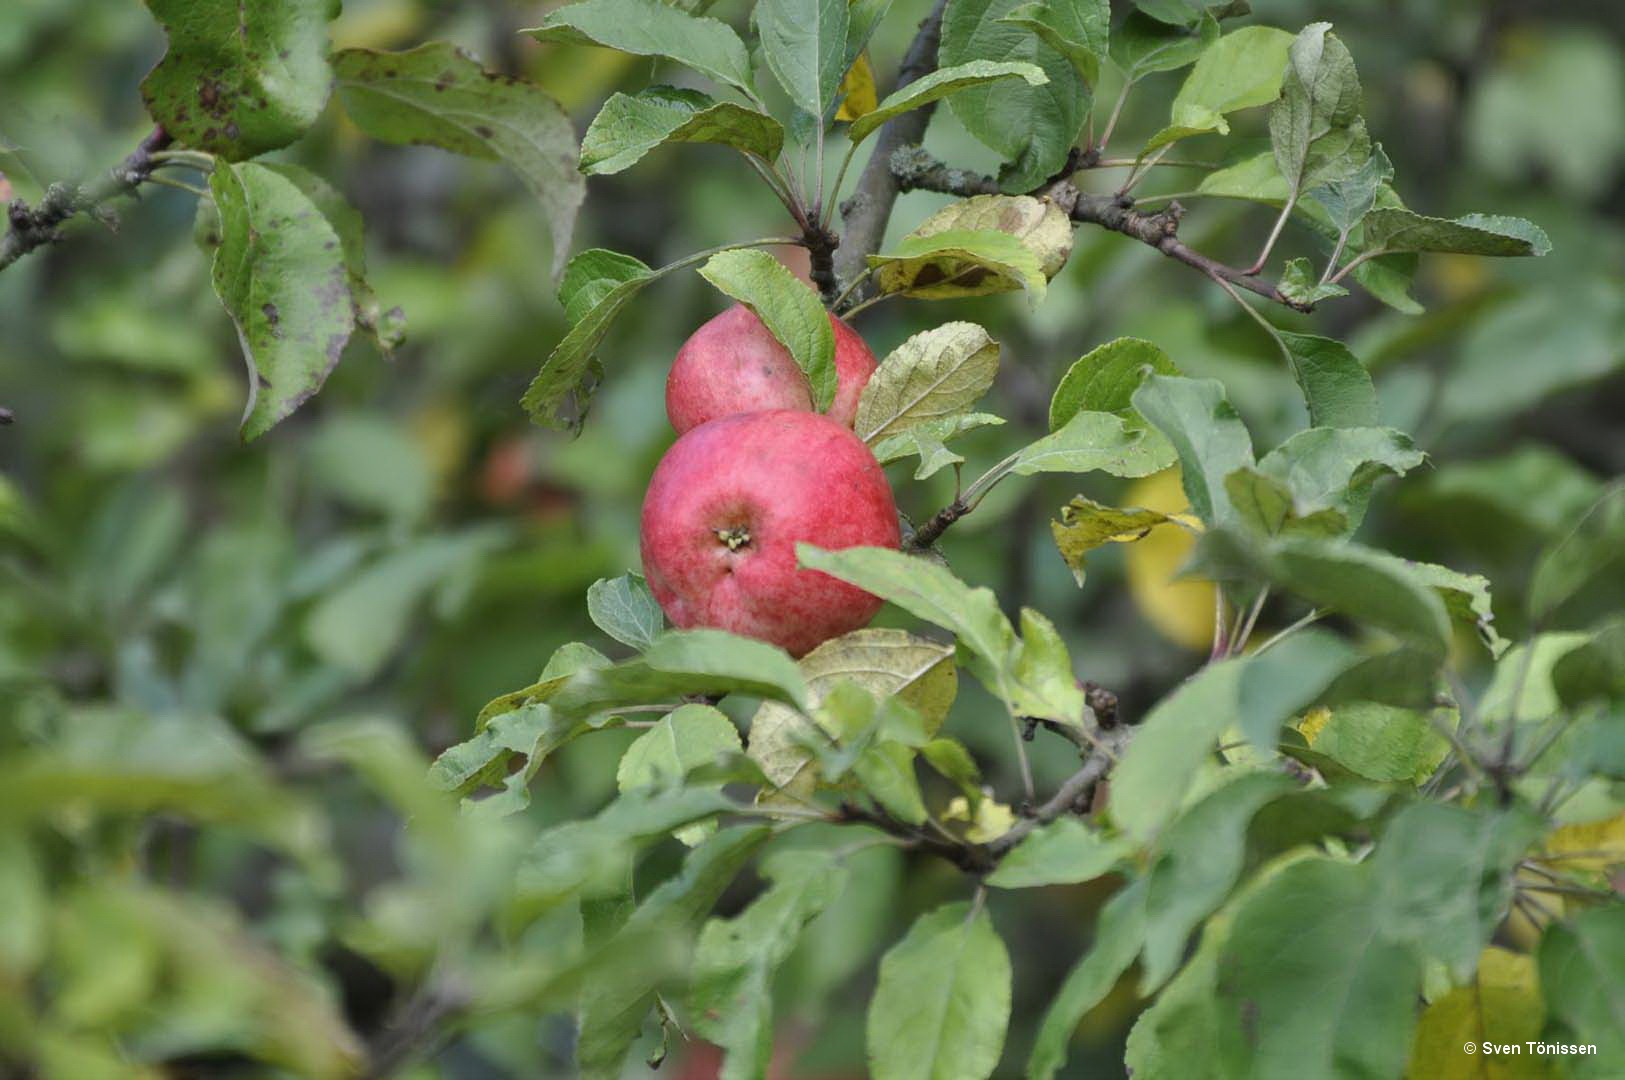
(178, 185)
(840, 178)
(1246, 630)
(1364, 256)
(1021, 758)
(195, 158)
(1117, 111)
(850, 287)
(1275, 234)
(1282, 635)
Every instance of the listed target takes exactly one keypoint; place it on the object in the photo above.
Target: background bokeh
(185, 871)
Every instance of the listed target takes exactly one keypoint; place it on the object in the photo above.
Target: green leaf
(930, 592)
(681, 662)
(1144, 46)
(592, 276)
(1339, 1002)
(631, 125)
(1207, 435)
(952, 761)
(1335, 385)
(1105, 378)
(1365, 584)
(1064, 852)
(789, 309)
(683, 740)
(1093, 441)
(1444, 874)
(931, 377)
(1466, 598)
(1529, 488)
(1335, 468)
(1265, 505)
(1241, 70)
(438, 95)
(280, 272)
(1595, 670)
(1042, 226)
(1395, 229)
(652, 28)
(1199, 861)
(1032, 676)
(387, 327)
(805, 47)
(1077, 29)
(942, 1003)
(1276, 685)
(1540, 342)
(358, 624)
(596, 285)
(1031, 127)
(1379, 742)
(1347, 200)
(614, 1004)
(1118, 934)
(886, 773)
(960, 262)
(885, 662)
(1316, 132)
(1086, 525)
(626, 610)
(1300, 284)
(1593, 548)
(240, 81)
(1256, 179)
(946, 80)
(1153, 777)
(591, 859)
(730, 994)
(1580, 959)
(1185, 12)
(928, 439)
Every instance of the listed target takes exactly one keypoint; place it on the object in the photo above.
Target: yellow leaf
(991, 821)
(1595, 846)
(1180, 610)
(1313, 723)
(859, 87)
(1502, 1005)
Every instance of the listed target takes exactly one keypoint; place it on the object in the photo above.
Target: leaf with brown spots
(240, 80)
(438, 95)
(280, 272)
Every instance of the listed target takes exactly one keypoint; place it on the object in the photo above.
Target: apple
(734, 364)
(727, 506)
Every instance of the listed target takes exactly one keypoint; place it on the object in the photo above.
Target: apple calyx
(734, 537)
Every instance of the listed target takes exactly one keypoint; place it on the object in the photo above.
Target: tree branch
(1070, 797)
(864, 215)
(927, 534)
(914, 168)
(37, 226)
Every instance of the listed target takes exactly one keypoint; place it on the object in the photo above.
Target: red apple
(733, 364)
(726, 508)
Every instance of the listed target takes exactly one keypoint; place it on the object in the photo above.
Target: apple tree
(1324, 852)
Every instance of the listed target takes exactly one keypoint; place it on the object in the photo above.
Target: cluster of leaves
(288, 251)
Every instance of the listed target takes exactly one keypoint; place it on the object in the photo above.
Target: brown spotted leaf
(279, 270)
(438, 95)
(240, 80)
